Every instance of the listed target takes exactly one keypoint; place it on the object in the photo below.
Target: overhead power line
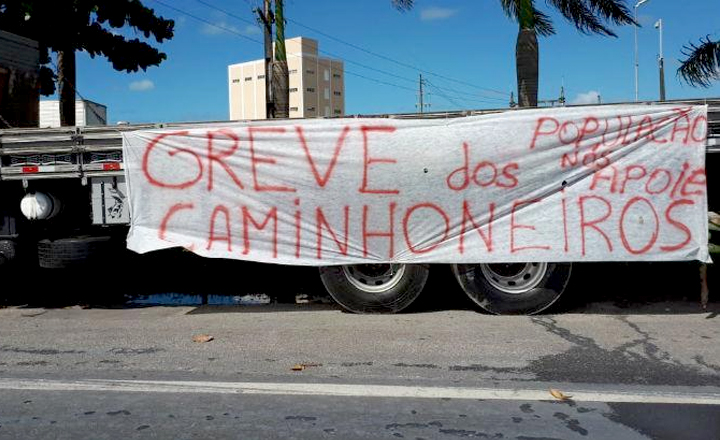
(378, 81)
(439, 92)
(453, 99)
(229, 14)
(234, 32)
(364, 66)
(465, 93)
(208, 22)
(255, 5)
(392, 60)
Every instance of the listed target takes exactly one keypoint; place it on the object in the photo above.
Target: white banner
(606, 183)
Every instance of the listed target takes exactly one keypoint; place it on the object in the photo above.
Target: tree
(701, 65)
(65, 26)
(588, 17)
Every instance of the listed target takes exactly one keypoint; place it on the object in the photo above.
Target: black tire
(7, 252)
(375, 288)
(72, 252)
(513, 289)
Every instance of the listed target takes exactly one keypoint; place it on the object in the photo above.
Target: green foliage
(701, 65)
(86, 25)
(588, 16)
(528, 16)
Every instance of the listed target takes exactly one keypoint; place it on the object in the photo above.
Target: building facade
(86, 113)
(317, 84)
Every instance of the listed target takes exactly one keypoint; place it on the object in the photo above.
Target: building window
(337, 93)
(293, 109)
(337, 112)
(310, 89)
(310, 109)
(294, 89)
(261, 77)
(248, 78)
(327, 93)
(327, 75)
(336, 75)
(236, 80)
(311, 72)
(292, 72)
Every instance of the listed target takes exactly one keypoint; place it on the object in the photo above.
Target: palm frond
(402, 5)
(614, 11)
(581, 16)
(702, 63)
(511, 8)
(541, 23)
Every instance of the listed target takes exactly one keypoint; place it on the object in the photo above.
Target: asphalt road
(73, 415)
(310, 371)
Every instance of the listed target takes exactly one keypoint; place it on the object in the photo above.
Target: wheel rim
(374, 278)
(514, 278)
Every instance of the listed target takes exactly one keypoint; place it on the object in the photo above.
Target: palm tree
(588, 17)
(702, 63)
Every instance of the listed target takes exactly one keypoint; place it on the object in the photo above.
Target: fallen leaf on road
(202, 338)
(558, 394)
(300, 367)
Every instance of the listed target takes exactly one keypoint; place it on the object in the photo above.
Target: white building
(317, 84)
(86, 113)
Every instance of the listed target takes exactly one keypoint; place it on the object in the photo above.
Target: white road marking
(348, 390)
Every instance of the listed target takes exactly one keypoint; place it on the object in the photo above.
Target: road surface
(310, 371)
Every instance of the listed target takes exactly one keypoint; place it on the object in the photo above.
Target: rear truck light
(111, 166)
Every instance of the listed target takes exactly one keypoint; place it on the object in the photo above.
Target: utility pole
(421, 96)
(267, 19)
(637, 62)
(661, 62)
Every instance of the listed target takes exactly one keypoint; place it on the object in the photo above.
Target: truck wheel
(70, 252)
(513, 288)
(7, 251)
(375, 288)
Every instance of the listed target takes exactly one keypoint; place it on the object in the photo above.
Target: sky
(465, 49)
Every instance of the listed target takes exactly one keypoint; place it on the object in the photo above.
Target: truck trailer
(509, 198)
